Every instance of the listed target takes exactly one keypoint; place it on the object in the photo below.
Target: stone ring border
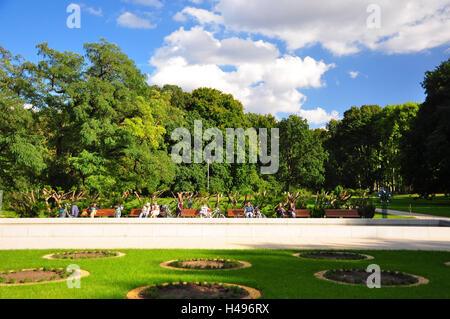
(51, 257)
(83, 273)
(421, 280)
(252, 292)
(367, 257)
(243, 264)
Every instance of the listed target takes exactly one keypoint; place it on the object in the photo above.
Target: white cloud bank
(340, 26)
(261, 79)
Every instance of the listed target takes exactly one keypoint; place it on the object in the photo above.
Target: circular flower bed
(205, 264)
(36, 276)
(359, 277)
(197, 290)
(84, 254)
(333, 255)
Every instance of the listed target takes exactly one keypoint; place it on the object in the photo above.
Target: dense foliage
(91, 123)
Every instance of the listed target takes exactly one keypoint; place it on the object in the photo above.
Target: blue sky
(282, 57)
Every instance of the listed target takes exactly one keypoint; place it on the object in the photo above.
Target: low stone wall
(198, 233)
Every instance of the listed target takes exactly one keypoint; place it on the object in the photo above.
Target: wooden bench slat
(233, 213)
(103, 212)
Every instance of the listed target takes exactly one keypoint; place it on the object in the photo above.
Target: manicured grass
(380, 216)
(275, 272)
(439, 206)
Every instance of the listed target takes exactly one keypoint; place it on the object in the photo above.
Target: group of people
(283, 213)
(153, 211)
(252, 212)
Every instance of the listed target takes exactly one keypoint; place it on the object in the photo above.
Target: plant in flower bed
(332, 255)
(38, 275)
(205, 264)
(194, 291)
(85, 254)
(359, 276)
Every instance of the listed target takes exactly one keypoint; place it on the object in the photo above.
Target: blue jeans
(142, 214)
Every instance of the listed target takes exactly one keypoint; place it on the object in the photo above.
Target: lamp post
(208, 174)
(1, 201)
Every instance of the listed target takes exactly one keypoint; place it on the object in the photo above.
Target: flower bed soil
(35, 276)
(85, 254)
(205, 264)
(359, 277)
(194, 291)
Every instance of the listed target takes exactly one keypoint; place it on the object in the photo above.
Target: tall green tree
(301, 155)
(426, 149)
(353, 145)
(100, 115)
(22, 147)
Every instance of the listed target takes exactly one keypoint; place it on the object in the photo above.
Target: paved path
(415, 215)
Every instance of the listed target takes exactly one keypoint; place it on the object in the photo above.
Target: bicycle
(217, 214)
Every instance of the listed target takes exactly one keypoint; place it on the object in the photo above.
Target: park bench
(189, 212)
(135, 212)
(302, 213)
(236, 213)
(100, 213)
(342, 213)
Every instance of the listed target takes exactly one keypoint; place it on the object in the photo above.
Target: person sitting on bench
(119, 209)
(249, 210)
(179, 209)
(145, 211)
(155, 210)
(258, 213)
(291, 211)
(163, 212)
(204, 211)
(74, 211)
(280, 211)
(93, 209)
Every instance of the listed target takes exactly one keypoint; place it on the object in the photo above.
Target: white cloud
(98, 12)
(132, 21)
(201, 15)
(318, 116)
(149, 3)
(261, 79)
(339, 26)
(353, 74)
(196, 1)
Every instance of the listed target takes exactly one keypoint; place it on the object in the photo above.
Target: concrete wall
(223, 234)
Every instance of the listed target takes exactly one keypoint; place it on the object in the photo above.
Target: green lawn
(439, 206)
(380, 216)
(275, 272)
